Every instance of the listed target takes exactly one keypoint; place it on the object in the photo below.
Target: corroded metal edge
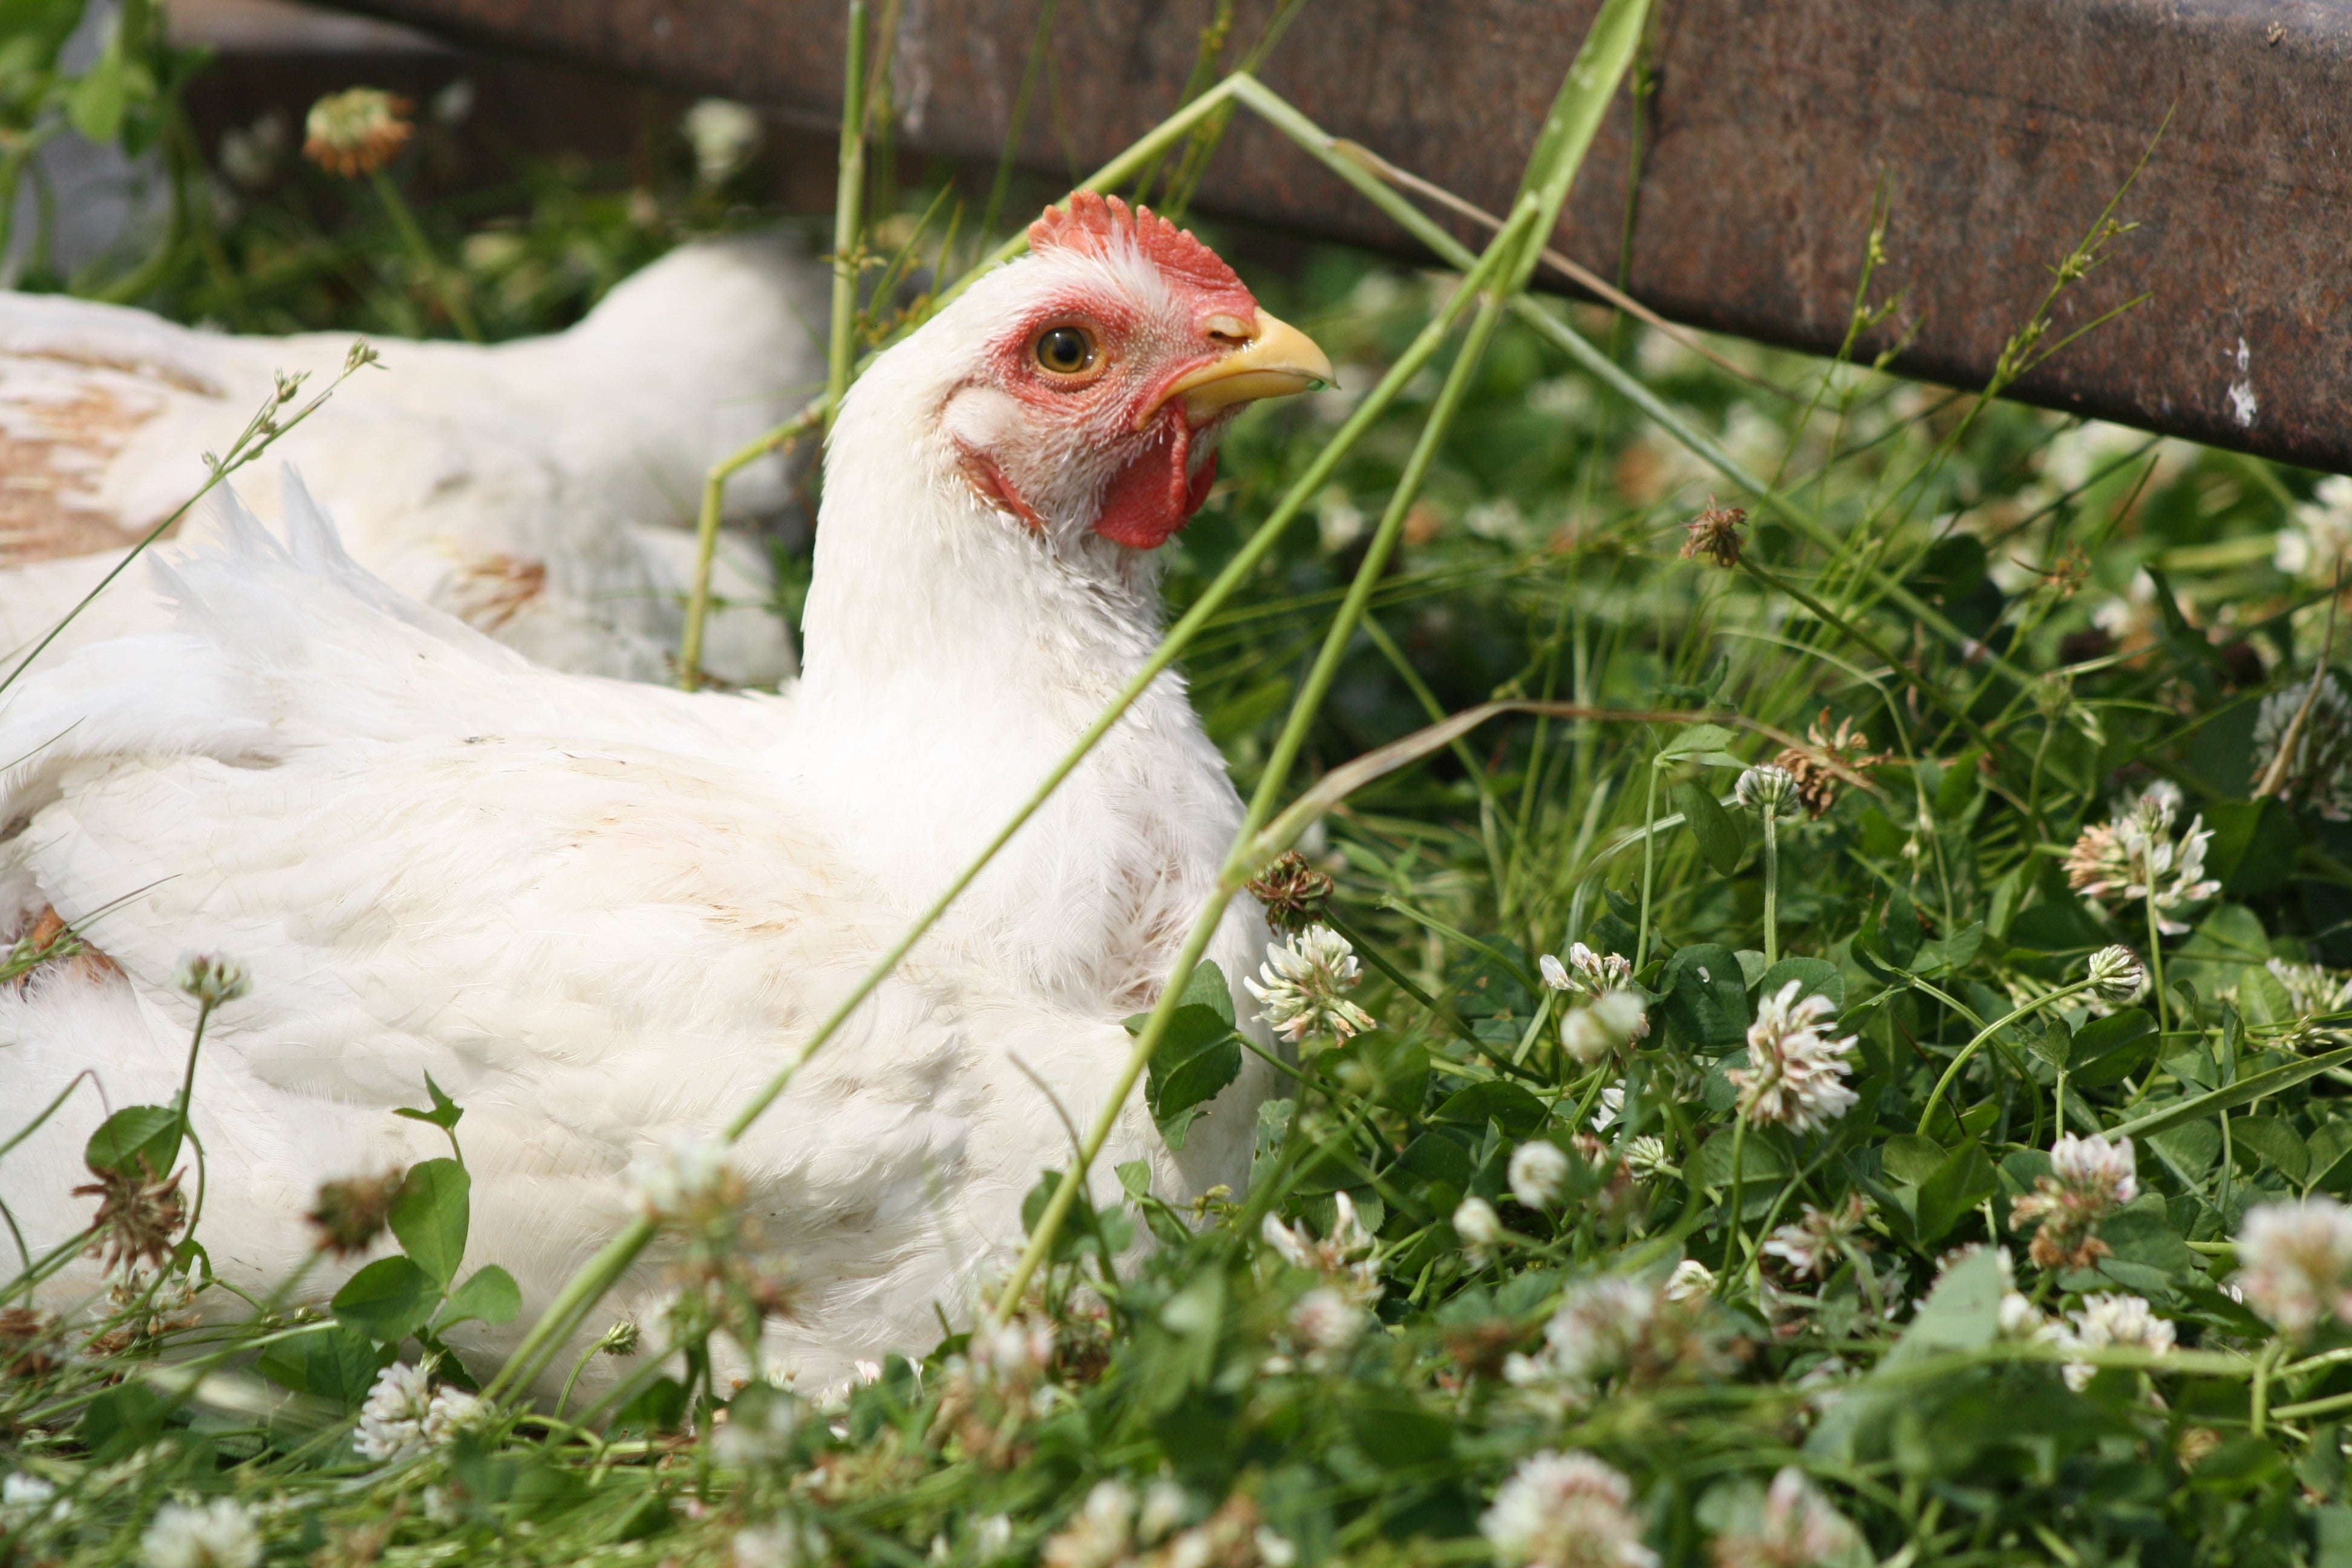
(1998, 130)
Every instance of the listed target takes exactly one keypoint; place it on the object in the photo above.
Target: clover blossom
(2295, 1263)
(216, 1534)
(2090, 1178)
(1537, 1173)
(1566, 1511)
(1299, 988)
(1811, 1245)
(1799, 1528)
(2311, 990)
(1344, 1256)
(1795, 1075)
(2116, 977)
(2108, 1318)
(1768, 789)
(356, 131)
(2135, 856)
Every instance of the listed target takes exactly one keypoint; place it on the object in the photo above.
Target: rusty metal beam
(1998, 130)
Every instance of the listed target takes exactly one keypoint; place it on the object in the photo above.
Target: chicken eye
(1066, 350)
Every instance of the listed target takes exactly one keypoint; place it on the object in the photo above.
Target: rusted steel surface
(1998, 130)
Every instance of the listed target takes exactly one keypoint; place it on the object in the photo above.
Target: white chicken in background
(602, 915)
(535, 489)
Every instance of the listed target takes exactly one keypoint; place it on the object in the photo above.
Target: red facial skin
(1116, 404)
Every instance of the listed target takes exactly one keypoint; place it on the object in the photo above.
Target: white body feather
(534, 488)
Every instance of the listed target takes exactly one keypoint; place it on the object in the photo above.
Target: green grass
(2025, 621)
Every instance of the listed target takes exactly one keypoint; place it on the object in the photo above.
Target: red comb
(1091, 224)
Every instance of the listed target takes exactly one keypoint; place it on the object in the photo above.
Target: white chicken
(531, 489)
(601, 915)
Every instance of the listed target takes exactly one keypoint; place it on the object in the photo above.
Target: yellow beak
(1276, 361)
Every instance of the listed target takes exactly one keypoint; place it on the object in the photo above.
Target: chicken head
(1114, 358)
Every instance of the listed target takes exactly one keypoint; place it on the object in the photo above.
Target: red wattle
(1147, 500)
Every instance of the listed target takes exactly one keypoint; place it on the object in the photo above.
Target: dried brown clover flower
(1293, 891)
(351, 1214)
(1815, 766)
(138, 1214)
(1714, 534)
(23, 1332)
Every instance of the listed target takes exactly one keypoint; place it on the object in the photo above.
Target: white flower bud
(1768, 789)
(1539, 1172)
(211, 978)
(2116, 975)
(1475, 1222)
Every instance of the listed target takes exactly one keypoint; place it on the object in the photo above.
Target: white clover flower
(1018, 1348)
(724, 136)
(211, 978)
(1344, 1258)
(693, 1172)
(1273, 1549)
(2090, 1178)
(1611, 1107)
(2319, 771)
(216, 1534)
(1475, 1222)
(22, 1499)
(1165, 1507)
(1587, 974)
(745, 1441)
(1299, 988)
(2112, 1320)
(1539, 1172)
(2093, 1164)
(1590, 1033)
(2311, 990)
(994, 1538)
(1566, 1511)
(2020, 1319)
(2295, 1263)
(1800, 1527)
(392, 1422)
(1795, 1075)
(2119, 861)
(1690, 1281)
(1594, 1334)
(1098, 1534)
(2319, 536)
(1769, 791)
(1813, 1244)
(452, 1411)
(1646, 1156)
(2116, 977)
(784, 1542)
(1326, 1323)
